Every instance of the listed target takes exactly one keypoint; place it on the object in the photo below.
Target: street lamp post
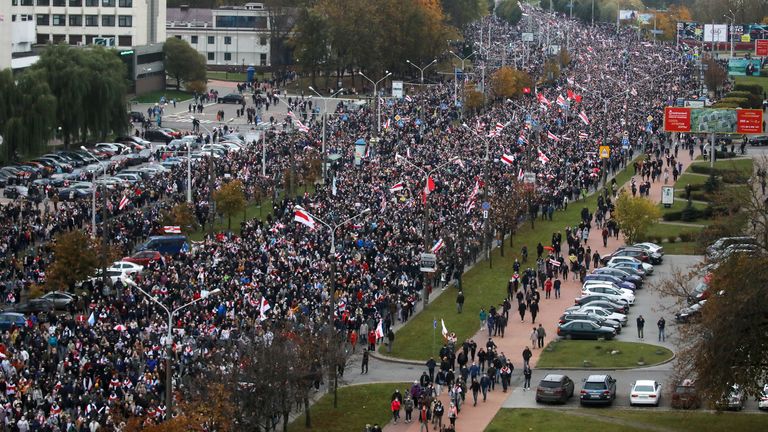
(325, 120)
(421, 81)
(427, 239)
(169, 336)
(455, 83)
(93, 203)
(376, 96)
(486, 224)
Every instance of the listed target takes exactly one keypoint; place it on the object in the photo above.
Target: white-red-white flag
(554, 263)
(300, 215)
(437, 246)
(507, 159)
(553, 137)
(583, 117)
(397, 187)
(172, 229)
(380, 328)
(123, 202)
(263, 308)
(542, 157)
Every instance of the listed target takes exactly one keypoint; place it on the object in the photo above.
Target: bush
(724, 155)
(754, 89)
(700, 168)
(752, 100)
(690, 213)
(688, 236)
(713, 183)
(734, 177)
(725, 105)
(673, 216)
(738, 101)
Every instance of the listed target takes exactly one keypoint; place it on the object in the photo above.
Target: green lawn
(673, 230)
(169, 94)
(357, 406)
(744, 166)
(763, 81)
(227, 76)
(688, 178)
(679, 205)
(573, 353)
(584, 420)
(484, 286)
(680, 248)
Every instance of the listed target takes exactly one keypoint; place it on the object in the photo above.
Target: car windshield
(594, 386)
(550, 384)
(644, 388)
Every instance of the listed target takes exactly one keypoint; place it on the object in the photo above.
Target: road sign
(529, 177)
(428, 262)
(761, 47)
(605, 152)
(397, 89)
(527, 37)
(486, 205)
(485, 214)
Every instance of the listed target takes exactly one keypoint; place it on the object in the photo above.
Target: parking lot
(651, 306)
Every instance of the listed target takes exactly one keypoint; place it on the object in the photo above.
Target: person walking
(540, 335)
(475, 389)
(483, 317)
(364, 365)
(485, 382)
(557, 285)
(395, 407)
(437, 415)
(527, 372)
(640, 325)
(521, 311)
(390, 339)
(423, 420)
(527, 354)
(460, 302)
(662, 324)
(452, 414)
(408, 405)
(534, 310)
(534, 337)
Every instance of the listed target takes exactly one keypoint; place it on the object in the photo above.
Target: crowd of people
(65, 373)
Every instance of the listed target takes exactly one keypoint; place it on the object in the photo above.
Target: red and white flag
(569, 93)
(542, 157)
(633, 92)
(408, 98)
(560, 100)
(397, 188)
(429, 186)
(387, 123)
(583, 135)
(172, 229)
(302, 127)
(542, 99)
(554, 263)
(263, 308)
(583, 117)
(553, 137)
(499, 127)
(459, 162)
(380, 329)
(123, 202)
(520, 175)
(507, 159)
(437, 246)
(300, 215)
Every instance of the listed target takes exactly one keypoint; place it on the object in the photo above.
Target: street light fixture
(376, 97)
(325, 120)
(455, 83)
(93, 203)
(169, 337)
(421, 69)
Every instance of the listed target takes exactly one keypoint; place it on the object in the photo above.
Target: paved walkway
(517, 335)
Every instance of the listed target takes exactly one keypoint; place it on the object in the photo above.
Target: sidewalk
(517, 334)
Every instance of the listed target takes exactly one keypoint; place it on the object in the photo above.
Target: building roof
(189, 15)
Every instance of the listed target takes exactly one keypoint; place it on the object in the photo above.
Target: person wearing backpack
(408, 405)
(438, 414)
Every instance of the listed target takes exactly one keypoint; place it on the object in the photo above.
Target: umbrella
(80, 318)
(120, 327)
(360, 141)
(549, 248)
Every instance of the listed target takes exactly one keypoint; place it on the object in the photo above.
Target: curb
(674, 356)
(388, 359)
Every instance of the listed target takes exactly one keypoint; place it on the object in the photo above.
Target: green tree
(311, 52)
(463, 12)
(509, 11)
(75, 258)
(508, 82)
(635, 215)
(183, 62)
(89, 86)
(27, 113)
(181, 215)
(230, 200)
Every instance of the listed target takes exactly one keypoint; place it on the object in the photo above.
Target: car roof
(553, 377)
(645, 382)
(597, 378)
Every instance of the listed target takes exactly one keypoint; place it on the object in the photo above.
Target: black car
(621, 307)
(582, 329)
(34, 306)
(232, 98)
(569, 316)
(157, 135)
(555, 388)
(759, 141)
(136, 117)
(598, 390)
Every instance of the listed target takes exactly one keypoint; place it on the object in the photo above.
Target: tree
(230, 200)
(635, 215)
(75, 258)
(463, 12)
(715, 75)
(667, 21)
(181, 215)
(564, 57)
(508, 82)
(551, 70)
(509, 10)
(183, 62)
(94, 81)
(27, 113)
(311, 52)
(310, 171)
(508, 206)
(473, 99)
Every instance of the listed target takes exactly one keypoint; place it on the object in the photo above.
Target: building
(229, 36)
(5, 35)
(116, 23)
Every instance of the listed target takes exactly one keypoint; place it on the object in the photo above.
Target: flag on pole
(633, 92)
(499, 127)
(507, 159)
(522, 140)
(542, 99)
(263, 308)
(560, 101)
(408, 98)
(387, 123)
(520, 175)
(553, 137)
(583, 117)
(302, 127)
(123, 202)
(445, 330)
(542, 157)
(569, 93)
(428, 188)
(397, 188)
(379, 330)
(554, 263)
(301, 216)
(175, 229)
(438, 245)
(583, 135)
(459, 162)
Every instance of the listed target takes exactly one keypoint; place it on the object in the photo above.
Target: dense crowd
(64, 373)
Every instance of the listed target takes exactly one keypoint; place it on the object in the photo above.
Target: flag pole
(434, 329)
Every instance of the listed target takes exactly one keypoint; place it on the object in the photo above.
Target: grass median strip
(601, 354)
(483, 286)
(358, 405)
(549, 420)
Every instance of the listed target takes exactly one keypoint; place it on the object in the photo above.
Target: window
(59, 3)
(75, 39)
(211, 40)
(59, 20)
(263, 59)
(211, 56)
(108, 3)
(227, 40)
(124, 41)
(193, 39)
(125, 3)
(13, 18)
(263, 41)
(227, 56)
(75, 20)
(43, 2)
(43, 20)
(27, 3)
(75, 3)
(91, 20)
(91, 3)
(235, 21)
(125, 20)
(108, 20)
(177, 37)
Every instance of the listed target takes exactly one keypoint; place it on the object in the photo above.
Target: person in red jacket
(371, 340)
(395, 406)
(353, 340)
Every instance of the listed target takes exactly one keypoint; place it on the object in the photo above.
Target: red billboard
(677, 119)
(761, 47)
(749, 121)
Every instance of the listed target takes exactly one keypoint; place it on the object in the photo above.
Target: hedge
(739, 101)
(755, 89)
(752, 100)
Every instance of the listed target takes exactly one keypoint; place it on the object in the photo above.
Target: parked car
(639, 253)
(586, 316)
(602, 303)
(762, 401)
(603, 313)
(633, 269)
(144, 258)
(621, 261)
(685, 396)
(759, 140)
(621, 274)
(598, 390)
(582, 329)
(136, 117)
(650, 247)
(724, 242)
(157, 135)
(609, 291)
(645, 392)
(59, 299)
(621, 304)
(166, 245)
(37, 305)
(232, 98)
(739, 248)
(603, 277)
(555, 388)
(690, 313)
(10, 319)
(126, 266)
(734, 400)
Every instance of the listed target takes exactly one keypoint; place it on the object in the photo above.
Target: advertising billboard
(628, 15)
(743, 67)
(761, 48)
(715, 33)
(713, 120)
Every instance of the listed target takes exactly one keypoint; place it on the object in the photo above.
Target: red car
(143, 258)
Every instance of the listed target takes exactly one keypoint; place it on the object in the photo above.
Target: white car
(645, 392)
(650, 247)
(762, 402)
(609, 292)
(599, 283)
(605, 314)
(648, 268)
(126, 267)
